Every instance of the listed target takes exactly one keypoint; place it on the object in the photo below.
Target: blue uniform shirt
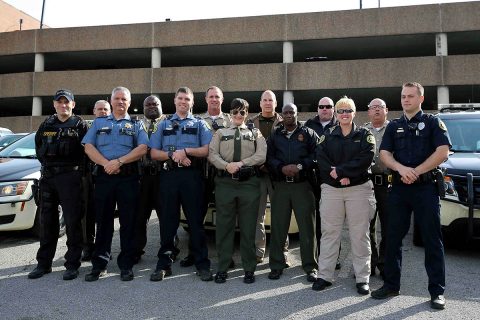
(115, 138)
(412, 141)
(174, 133)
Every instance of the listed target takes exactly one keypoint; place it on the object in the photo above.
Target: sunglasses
(328, 106)
(236, 111)
(342, 111)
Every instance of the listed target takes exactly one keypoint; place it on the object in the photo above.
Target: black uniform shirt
(351, 155)
(299, 148)
(412, 141)
(316, 125)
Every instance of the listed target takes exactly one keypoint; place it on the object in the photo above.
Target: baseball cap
(64, 93)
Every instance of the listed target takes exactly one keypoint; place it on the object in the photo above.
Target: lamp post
(41, 19)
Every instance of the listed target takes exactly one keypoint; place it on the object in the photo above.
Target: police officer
(237, 152)
(267, 120)
(101, 109)
(412, 147)
(180, 142)
(291, 158)
(324, 120)
(377, 113)
(58, 147)
(152, 115)
(216, 119)
(344, 157)
(115, 143)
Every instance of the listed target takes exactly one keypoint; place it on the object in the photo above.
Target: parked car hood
(462, 163)
(12, 168)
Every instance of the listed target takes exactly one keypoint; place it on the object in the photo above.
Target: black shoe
(188, 261)
(275, 274)
(38, 272)
(231, 265)
(70, 274)
(249, 277)
(87, 255)
(221, 277)
(159, 274)
(95, 274)
(363, 288)
(384, 293)
(205, 274)
(320, 284)
(438, 302)
(312, 276)
(126, 275)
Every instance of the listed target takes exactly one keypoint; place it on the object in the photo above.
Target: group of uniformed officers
(329, 171)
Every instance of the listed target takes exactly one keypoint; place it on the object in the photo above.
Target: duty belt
(172, 165)
(50, 171)
(243, 174)
(380, 179)
(427, 177)
(152, 169)
(295, 179)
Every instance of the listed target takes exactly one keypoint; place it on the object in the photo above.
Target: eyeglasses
(376, 106)
(342, 111)
(236, 111)
(328, 106)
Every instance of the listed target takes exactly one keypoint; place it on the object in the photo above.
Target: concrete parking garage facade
(363, 54)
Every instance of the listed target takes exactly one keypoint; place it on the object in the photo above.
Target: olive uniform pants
(236, 199)
(299, 197)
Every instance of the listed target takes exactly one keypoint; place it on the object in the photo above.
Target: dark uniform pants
(236, 199)
(424, 201)
(63, 189)
(88, 222)
(300, 198)
(123, 191)
(149, 200)
(378, 250)
(182, 186)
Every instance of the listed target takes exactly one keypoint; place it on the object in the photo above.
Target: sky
(73, 13)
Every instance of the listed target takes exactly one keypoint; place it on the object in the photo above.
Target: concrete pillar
(443, 95)
(441, 44)
(39, 62)
(37, 106)
(156, 58)
(287, 52)
(287, 97)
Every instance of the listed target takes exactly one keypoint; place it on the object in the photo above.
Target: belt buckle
(290, 179)
(235, 176)
(378, 179)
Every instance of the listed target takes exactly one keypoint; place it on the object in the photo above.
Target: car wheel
(36, 225)
(417, 236)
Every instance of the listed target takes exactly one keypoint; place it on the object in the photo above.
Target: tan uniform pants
(356, 205)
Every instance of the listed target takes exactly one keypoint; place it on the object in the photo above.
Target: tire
(36, 224)
(417, 236)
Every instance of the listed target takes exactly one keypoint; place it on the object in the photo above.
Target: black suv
(460, 209)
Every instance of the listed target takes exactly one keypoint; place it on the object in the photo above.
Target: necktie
(237, 146)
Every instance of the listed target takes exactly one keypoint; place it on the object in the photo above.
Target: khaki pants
(356, 205)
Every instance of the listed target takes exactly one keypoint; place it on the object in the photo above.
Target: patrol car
(19, 169)
(460, 208)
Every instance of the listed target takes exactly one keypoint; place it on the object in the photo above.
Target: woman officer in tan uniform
(236, 152)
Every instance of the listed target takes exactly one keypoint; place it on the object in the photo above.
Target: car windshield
(23, 148)
(6, 140)
(464, 134)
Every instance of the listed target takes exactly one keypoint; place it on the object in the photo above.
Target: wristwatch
(120, 162)
(299, 166)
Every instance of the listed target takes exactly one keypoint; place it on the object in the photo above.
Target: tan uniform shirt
(378, 167)
(222, 145)
(222, 120)
(256, 121)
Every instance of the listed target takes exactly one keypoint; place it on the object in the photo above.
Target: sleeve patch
(442, 125)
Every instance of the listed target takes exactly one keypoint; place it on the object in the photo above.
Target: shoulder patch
(322, 138)
(442, 125)
(370, 139)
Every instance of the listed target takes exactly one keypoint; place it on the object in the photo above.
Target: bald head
(152, 107)
(377, 112)
(268, 103)
(325, 109)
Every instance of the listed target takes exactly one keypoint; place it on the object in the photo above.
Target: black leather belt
(427, 177)
(293, 179)
(243, 174)
(49, 171)
(151, 169)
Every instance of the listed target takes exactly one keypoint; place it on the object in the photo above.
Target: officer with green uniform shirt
(237, 152)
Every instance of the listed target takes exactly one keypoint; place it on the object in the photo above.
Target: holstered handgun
(438, 174)
(36, 191)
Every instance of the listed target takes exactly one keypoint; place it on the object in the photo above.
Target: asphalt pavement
(185, 296)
